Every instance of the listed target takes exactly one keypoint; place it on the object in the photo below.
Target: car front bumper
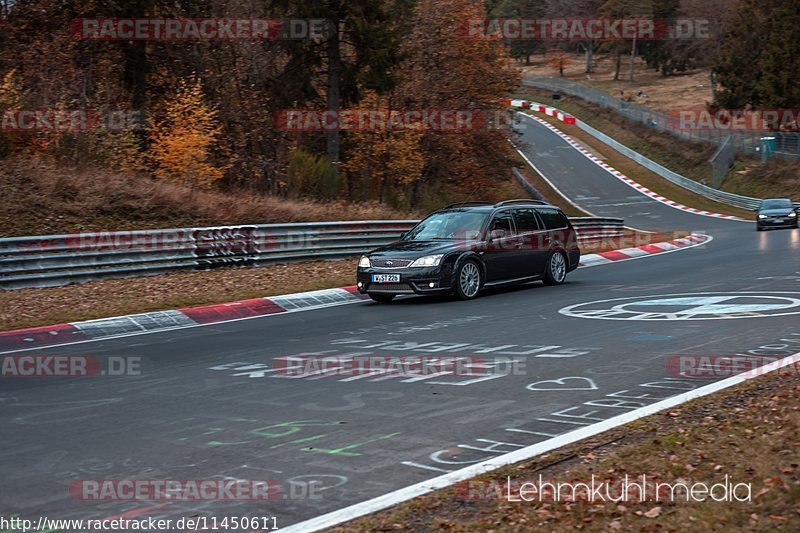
(777, 222)
(412, 280)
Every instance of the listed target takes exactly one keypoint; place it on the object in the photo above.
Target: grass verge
(749, 432)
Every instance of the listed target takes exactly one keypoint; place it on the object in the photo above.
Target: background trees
(759, 57)
(205, 111)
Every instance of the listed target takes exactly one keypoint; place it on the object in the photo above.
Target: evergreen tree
(522, 9)
(779, 62)
(665, 54)
(759, 62)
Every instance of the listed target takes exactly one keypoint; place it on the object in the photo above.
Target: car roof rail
(460, 204)
(522, 201)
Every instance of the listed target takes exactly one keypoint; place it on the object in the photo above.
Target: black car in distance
(471, 245)
(776, 212)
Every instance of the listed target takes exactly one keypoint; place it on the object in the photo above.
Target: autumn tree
(181, 141)
(401, 51)
(445, 70)
(12, 98)
(384, 159)
(558, 60)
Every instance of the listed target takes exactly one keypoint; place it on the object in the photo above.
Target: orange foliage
(448, 71)
(181, 142)
(385, 157)
(558, 60)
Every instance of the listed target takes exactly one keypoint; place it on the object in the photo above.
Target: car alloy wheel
(468, 280)
(556, 269)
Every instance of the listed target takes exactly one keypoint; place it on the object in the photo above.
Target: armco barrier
(736, 200)
(52, 260)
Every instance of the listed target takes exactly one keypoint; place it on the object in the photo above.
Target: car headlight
(364, 262)
(427, 261)
(792, 214)
(762, 216)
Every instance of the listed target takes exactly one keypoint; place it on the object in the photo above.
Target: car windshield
(452, 225)
(776, 204)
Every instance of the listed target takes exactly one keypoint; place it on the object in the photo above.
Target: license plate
(386, 278)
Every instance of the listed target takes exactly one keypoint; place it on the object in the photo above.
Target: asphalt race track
(209, 403)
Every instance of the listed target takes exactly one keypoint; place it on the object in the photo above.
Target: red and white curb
(121, 326)
(569, 119)
(157, 321)
(626, 254)
(541, 108)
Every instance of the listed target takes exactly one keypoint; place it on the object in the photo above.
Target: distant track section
(735, 200)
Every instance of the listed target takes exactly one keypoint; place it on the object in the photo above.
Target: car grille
(389, 287)
(390, 263)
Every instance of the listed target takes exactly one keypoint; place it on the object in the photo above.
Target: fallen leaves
(655, 512)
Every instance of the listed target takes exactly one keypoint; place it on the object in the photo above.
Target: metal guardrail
(53, 260)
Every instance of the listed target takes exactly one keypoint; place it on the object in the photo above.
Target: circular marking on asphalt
(690, 306)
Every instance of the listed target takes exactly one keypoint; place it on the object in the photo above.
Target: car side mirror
(403, 234)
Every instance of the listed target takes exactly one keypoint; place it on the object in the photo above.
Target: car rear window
(553, 219)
